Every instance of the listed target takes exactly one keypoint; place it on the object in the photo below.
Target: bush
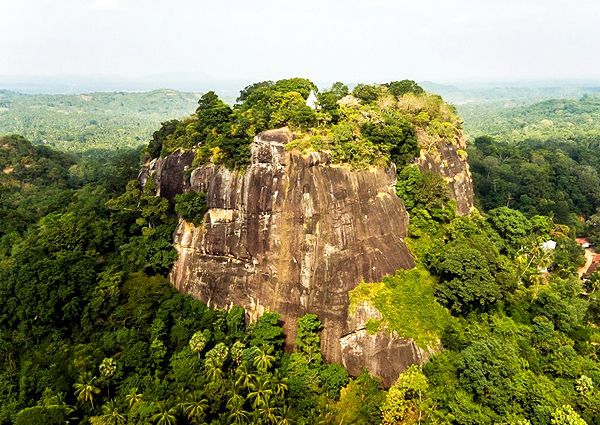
(42, 415)
(191, 206)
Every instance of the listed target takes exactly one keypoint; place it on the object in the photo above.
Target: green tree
(111, 414)
(195, 407)
(339, 90)
(133, 398)
(85, 390)
(261, 393)
(267, 331)
(163, 415)
(565, 415)
(405, 397)
(263, 358)
(199, 340)
(308, 341)
(466, 280)
(399, 88)
(191, 206)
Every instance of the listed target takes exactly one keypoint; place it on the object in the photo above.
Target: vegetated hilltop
(77, 123)
(378, 123)
(321, 187)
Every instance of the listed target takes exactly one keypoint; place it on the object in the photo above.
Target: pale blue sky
(368, 40)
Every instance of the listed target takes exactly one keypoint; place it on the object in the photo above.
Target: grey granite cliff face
(449, 161)
(295, 234)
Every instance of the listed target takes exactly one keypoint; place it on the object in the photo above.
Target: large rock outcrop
(295, 234)
(292, 234)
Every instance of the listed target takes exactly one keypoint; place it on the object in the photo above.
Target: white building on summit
(312, 100)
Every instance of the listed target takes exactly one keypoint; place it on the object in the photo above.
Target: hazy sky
(350, 40)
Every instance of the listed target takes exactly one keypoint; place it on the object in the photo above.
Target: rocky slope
(449, 161)
(295, 234)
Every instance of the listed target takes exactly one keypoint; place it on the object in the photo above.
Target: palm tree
(280, 385)
(244, 378)
(260, 392)
(195, 407)
(237, 414)
(133, 397)
(213, 370)
(267, 411)
(164, 415)
(285, 416)
(85, 390)
(111, 415)
(263, 359)
(235, 401)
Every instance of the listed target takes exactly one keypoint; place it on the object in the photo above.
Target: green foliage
(339, 90)
(79, 123)
(565, 415)
(408, 305)
(554, 177)
(307, 337)
(333, 378)
(42, 415)
(400, 88)
(366, 92)
(373, 127)
(474, 274)
(555, 119)
(267, 331)
(512, 226)
(406, 398)
(191, 206)
(426, 196)
(396, 137)
(593, 227)
(360, 401)
(466, 280)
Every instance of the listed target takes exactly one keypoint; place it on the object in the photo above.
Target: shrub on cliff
(191, 206)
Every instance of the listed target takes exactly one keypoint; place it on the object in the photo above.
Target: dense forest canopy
(372, 125)
(558, 119)
(540, 159)
(92, 332)
(78, 123)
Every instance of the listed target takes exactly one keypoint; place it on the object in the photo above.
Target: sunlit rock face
(292, 234)
(448, 159)
(295, 234)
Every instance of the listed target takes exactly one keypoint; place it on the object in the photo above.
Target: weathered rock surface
(449, 161)
(295, 234)
(292, 234)
(384, 353)
(168, 173)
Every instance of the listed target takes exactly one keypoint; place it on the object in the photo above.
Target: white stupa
(312, 101)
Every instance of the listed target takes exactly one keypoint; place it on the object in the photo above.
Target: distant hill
(509, 94)
(91, 121)
(550, 119)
